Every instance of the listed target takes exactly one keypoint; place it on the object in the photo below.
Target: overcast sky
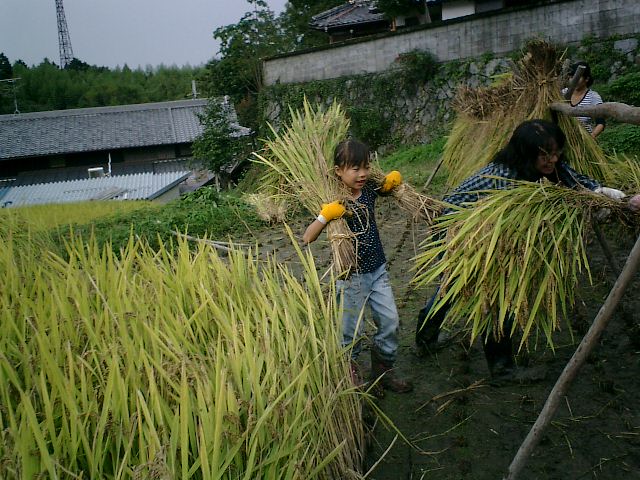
(115, 32)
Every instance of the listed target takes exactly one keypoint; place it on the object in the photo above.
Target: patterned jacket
(478, 185)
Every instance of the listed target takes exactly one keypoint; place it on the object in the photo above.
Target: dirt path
(464, 428)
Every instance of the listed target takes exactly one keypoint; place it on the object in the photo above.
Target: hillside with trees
(234, 71)
(48, 87)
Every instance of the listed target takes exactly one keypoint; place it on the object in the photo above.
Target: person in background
(534, 152)
(369, 283)
(583, 96)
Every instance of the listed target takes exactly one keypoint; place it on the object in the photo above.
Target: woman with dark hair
(583, 96)
(534, 152)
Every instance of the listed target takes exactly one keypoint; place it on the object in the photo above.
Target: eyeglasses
(548, 155)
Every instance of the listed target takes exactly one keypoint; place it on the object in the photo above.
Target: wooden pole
(433, 174)
(573, 82)
(618, 111)
(604, 245)
(575, 363)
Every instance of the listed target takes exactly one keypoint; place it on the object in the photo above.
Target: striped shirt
(590, 98)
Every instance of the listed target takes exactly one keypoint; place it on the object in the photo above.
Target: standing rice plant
(517, 253)
(45, 217)
(171, 364)
(487, 116)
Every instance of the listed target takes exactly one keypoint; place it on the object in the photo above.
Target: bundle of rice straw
(301, 160)
(624, 173)
(419, 206)
(270, 208)
(517, 252)
(487, 116)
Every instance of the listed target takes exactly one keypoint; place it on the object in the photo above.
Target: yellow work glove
(391, 180)
(331, 211)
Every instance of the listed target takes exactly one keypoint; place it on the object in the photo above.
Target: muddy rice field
(456, 424)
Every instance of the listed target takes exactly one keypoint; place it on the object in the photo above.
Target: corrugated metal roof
(103, 128)
(139, 186)
(3, 192)
(117, 169)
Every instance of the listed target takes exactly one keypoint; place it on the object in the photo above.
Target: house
(88, 144)
(357, 18)
(353, 19)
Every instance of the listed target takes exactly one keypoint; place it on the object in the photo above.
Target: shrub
(200, 213)
(370, 126)
(620, 138)
(625, 89)
(418, 67)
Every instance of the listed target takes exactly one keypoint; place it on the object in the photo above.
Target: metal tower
(64, 42)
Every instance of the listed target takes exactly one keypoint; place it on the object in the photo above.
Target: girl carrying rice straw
(369, 282)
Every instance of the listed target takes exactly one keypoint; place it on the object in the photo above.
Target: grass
(416, 164)
(201, 213)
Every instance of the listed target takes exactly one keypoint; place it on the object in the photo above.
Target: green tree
(6, 89)
(242, 46)
(6, 71)
(47, 87)
(216, 145)
(238, 70)
(295, 21)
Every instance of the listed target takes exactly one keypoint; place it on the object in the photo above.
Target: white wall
(498, 32)
(458, 8)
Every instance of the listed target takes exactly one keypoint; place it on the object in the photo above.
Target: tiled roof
(102, 128)
(139, 186)
(352, 13)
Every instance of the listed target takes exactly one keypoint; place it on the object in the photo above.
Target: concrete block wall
(497, 32)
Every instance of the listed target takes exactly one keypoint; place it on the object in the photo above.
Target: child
(369, 284)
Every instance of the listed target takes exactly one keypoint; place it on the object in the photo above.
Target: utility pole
(64, 41)
(13, 81)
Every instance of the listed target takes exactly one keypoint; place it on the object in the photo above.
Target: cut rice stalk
(516, 252)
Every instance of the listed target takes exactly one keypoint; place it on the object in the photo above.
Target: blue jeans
(371, 289)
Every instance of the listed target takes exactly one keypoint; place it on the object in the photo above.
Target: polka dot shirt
(362, 223)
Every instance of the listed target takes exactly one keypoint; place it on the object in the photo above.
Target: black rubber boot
(384, 370)
(499, 355)
(427, 332)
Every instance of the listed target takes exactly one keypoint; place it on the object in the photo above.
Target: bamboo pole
(433, 174)
(575, 363)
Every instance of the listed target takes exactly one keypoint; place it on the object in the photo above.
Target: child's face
(354, 177)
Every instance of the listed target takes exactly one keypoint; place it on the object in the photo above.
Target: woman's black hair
(586, 73)
(528, 140)
(351, 153)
